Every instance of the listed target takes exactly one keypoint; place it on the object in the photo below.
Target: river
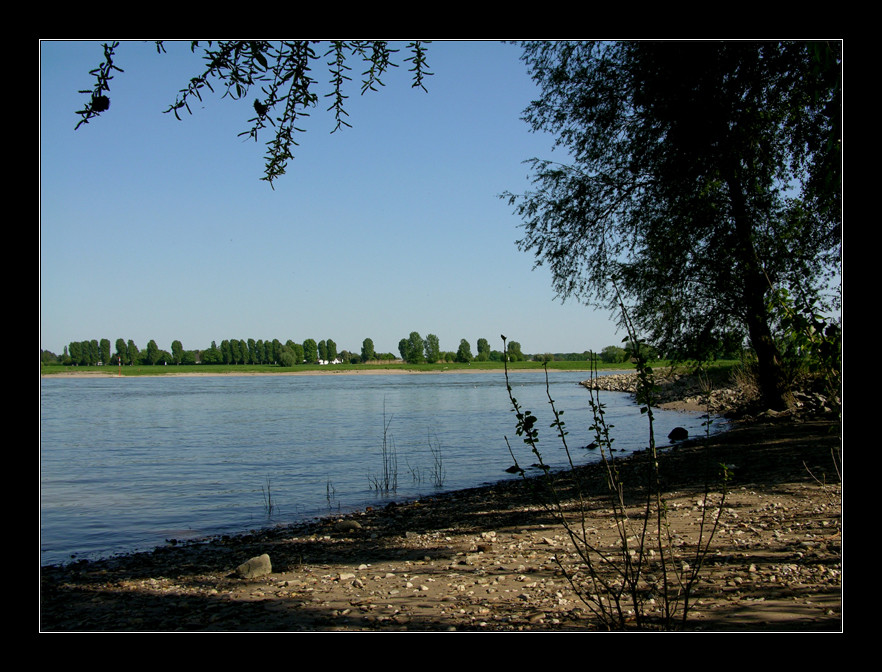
(129, 463)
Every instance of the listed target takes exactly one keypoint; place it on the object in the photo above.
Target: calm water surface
(127, 463)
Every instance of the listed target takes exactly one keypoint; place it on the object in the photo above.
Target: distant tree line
(418, 350)
(230, 351)
(414, 350)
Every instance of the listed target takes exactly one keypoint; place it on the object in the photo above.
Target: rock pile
(677, 387)
(729, 401)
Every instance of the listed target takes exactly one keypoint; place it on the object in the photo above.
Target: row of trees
(96, 352)
(233, 351)
(414, 350)
(418, 350)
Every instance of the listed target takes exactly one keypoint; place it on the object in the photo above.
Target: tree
(412, 348)
(286, 357)
(464, 352)
(416, 347)
(283, 73)
(152, 352)
(121, 354)
(701, 175)
(514, 352)
(432, 349)
(310, 351)
(104, 347)
(367, 350)
(134, 357)
(483, 350)
(332, 350)
(75, 352)
(213, 355)
(177, 351)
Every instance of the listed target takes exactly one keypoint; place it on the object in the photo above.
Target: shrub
(647, 580)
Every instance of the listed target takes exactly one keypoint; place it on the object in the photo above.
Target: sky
(155, 228)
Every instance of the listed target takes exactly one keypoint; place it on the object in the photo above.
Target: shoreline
(482, 559)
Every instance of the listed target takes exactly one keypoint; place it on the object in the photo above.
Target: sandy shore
(484, 559)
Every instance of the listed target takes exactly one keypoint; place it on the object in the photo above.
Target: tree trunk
(774, 392)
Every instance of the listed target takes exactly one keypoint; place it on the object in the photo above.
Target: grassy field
(159, 370)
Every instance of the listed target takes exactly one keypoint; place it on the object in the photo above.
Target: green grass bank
(386, 367)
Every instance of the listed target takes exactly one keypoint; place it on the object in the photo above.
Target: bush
(647, 580)
(810, 343)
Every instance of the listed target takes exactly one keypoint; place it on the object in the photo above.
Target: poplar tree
(432, 349)
(367, 350)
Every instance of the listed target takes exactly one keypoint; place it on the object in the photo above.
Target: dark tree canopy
(698, 176)
(282, 71)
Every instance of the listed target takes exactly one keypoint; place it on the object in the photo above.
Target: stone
(257, 566)
(678, 434)
(347, 526)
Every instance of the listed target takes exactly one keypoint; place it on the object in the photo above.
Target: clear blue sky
(154, 228)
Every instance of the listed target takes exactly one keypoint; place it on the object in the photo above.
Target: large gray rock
(255, 567)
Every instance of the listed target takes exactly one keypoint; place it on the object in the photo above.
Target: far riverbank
(392, 368)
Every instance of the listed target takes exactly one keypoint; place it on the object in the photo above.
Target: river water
(128, 463)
